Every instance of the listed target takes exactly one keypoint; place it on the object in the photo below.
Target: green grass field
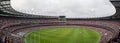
(63, 35)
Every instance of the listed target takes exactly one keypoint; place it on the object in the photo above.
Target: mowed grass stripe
(63, 35)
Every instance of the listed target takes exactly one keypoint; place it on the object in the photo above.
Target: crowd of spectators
(11, 24)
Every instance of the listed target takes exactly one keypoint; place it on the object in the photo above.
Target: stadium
(24, 27)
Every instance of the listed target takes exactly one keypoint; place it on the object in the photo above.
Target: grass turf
(63, 35)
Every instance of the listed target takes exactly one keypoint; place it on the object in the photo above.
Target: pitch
(63, 35)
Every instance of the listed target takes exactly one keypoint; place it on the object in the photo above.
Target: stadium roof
(114, 0)
(7, 10)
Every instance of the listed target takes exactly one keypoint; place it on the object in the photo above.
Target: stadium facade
(14, 24)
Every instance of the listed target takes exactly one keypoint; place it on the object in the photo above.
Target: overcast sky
(68, 8)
